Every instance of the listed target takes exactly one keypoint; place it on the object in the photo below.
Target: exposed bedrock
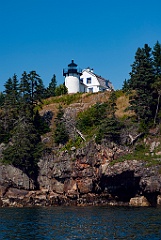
(83, 177)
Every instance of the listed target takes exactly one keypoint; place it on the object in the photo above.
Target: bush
(60, 134)
(109, 130)
(92, 117)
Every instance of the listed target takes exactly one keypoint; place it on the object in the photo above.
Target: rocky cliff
(86, 175)
(83, 177)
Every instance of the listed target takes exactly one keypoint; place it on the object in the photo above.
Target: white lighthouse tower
(72, 77)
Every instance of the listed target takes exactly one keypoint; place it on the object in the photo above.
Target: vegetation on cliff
(30, 111)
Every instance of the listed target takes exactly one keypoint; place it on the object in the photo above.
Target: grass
(77, 143)
(122, 104)
(140, 154)
(64, 99)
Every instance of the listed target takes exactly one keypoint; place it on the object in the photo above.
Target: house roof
(102, 81)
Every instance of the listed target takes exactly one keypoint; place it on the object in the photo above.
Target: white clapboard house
(78, 80)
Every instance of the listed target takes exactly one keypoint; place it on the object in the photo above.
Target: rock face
(83, 177)
(139, 202)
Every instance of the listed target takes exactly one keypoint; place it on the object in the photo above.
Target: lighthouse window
(89, 80)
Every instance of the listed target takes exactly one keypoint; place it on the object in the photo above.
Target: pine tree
(112, 107)
(25, 95)
(109, 130)
(2, 97)
(157, 58)
(61, 90)
(126, 86)
(60, 135)
(11, 103)
(141, 81)
(37, 90)
(52, 87)
(40, 124)
(25, 148)
(157, 69)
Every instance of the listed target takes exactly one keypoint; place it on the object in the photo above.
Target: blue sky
(44, 35)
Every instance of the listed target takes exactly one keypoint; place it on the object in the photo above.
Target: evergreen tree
(126, 86)
(8, 91)
(2, 98)
(11, 104)
(92, 116)
(52, 87)
(61, 90)
(157, 59)
(60, 135)
(25, 148)
(157, 70)
(36, 90)
(141, 81)
(40, 124)
(109, 130)
(25, 95)
(112, 107)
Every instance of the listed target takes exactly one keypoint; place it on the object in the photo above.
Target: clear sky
(44, 35)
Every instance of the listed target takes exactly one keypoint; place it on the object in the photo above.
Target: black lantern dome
(72, 69)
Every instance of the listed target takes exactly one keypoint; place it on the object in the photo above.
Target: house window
(89, 80)
(90, 90)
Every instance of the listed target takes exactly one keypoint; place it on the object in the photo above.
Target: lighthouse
(72, 77)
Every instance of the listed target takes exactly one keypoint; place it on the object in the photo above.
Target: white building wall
(82, 88)
(94, 82)
(72, 83)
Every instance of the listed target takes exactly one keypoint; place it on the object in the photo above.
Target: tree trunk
(156, 112)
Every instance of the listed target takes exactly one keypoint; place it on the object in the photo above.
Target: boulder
(57, 186)
(159, 200)
(139, 202)
(85, 185)
(70, 188)
(11, 176)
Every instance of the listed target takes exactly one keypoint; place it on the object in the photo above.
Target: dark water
(80, 223)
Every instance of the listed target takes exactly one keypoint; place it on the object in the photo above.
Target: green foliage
(157, 58)
(64, 99)
(126, 86)
(61, 90)
(2, 97)
(50, 92)
(112, 104)
(142, 78)
(60, 135)
(20, 125)
(92, 117)
(109, 130)
(77, 142)
(141, 153)
(40, 124)
(145, 81)
(100, 120)
(24, 149)
(118, 93)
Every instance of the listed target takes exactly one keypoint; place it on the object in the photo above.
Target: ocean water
(80, 223)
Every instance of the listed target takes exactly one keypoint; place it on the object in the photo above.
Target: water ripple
(80, 223)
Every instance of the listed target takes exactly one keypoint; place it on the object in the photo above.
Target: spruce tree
(141, 81)
(60, 135)
(25, 95)
(61, 90)
(25, 148)
(11, 104)
(52, 87)
(157, 69)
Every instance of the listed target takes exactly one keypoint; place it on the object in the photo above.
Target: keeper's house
(78, 80)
